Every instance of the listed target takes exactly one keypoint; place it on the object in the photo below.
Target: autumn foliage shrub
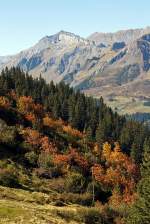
(72, 158)
(71, 131)
(47, 146)
(32, 137)
(119, 171)
(4, 102)
(30, 117)
(51, 123)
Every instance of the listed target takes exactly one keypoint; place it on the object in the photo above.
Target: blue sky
(24, 22)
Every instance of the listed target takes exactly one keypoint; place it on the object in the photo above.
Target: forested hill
(87, 114)
(71, 148)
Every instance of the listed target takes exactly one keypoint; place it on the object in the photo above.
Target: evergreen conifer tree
(140, 212)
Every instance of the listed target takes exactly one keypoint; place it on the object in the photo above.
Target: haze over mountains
(114, 65)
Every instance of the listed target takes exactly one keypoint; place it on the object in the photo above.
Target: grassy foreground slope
(20, 206)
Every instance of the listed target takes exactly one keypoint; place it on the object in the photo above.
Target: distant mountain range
(114, 65)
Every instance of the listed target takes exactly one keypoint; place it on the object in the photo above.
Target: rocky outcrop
(144, 45)
(118, 56)
(118, 45)
(29, 64)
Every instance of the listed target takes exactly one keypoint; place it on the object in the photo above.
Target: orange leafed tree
(70, 159)
(32, 137)
(49, 122)
(98, 172)
(25, 104)
(47, 146)
(119, 171)
(106, 150)
(116, 198)
(60, 159)
(77, 158)
(30, 117)
(4, 102)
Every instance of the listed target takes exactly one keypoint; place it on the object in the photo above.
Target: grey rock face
(144, 45)
(118, 56)
(118, 45)
(29, 64)
(128, 74)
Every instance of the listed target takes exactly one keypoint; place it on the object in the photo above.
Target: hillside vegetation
(65, 157)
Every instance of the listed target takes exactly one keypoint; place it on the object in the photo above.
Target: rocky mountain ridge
(126, 36)
(116, 66)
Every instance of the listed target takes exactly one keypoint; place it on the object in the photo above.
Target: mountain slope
(115, 66)
(126, 36)
(53, 154)
(56, 57)
(125, 78)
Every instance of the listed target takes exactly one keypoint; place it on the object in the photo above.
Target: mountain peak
(64, 37)
(63, 32)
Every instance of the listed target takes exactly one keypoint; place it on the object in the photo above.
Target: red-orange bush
(47, 146)
(119, 170)
(30, 117)
(33, 137)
